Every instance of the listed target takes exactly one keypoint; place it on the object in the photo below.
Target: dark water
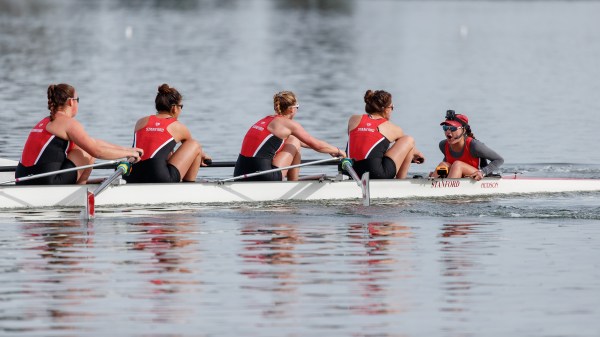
(524, 72)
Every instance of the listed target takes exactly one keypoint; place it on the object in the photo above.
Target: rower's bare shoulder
(353, 121)
(141, 122)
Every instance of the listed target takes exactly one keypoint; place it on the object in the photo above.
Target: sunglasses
(179, 105)
(451, 128)
(75, 99)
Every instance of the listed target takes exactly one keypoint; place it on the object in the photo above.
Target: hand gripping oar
(362, 183)
(124, 168)
(41, 175)
(243, 176)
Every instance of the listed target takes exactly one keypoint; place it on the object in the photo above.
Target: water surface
(525, 72)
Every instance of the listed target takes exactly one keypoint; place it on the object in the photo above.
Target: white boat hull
(19, 197)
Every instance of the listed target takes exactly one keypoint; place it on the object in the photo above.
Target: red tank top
(43, 147)
(154, 138)
(260, 142)
(466, 156)
(365, 141)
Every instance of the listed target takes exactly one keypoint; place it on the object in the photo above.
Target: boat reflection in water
(461, 246)
(271, 245)
(167, 243)
(297, 261)
(54, 277)
(385, 260)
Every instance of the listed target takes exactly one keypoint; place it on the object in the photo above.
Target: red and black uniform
(157, 144)
(258, 150)
(367, 146)
(45, 152)
(466, 156)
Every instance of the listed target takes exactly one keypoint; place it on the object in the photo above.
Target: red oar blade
(90, 205)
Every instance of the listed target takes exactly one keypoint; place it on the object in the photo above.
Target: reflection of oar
(362, 183)
(123, 169)
(41, 175)
(243, 176)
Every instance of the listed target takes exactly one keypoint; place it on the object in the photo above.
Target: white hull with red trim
(19, 197)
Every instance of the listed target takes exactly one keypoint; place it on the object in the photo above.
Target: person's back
(158, 143)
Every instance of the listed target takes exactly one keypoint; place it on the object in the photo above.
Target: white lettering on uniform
(366, 129)
(155, 129)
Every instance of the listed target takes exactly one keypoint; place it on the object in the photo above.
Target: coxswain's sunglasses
(75, 99)
(451, 128)
(179, 105)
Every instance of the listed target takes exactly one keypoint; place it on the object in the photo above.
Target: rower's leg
(289, 155)
(80, 158)
(294, 174)
(460, 169)
(187, 159)
(402, 155)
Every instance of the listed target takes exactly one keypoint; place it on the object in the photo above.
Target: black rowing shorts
(153, 171)
(378, 168)
(66, 178)
(247, 165)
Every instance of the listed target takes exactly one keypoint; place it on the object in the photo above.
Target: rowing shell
(18, 197)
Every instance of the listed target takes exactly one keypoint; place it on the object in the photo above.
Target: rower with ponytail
(60, 142)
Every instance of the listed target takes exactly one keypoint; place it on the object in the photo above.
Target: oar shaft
(347, 166)
(232, 163)
(46, 174)
(111, 165)
(119, 172)
(249, 175)
(363, 182)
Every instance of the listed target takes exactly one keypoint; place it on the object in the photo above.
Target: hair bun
(368, 95)
(164, 88)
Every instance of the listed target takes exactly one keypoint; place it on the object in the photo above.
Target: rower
(275, 141)
(158, 135)
(370, 136)
(59, 142)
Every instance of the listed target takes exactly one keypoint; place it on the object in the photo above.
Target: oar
(11, 168)
(315, 162)
(208, 162)
(211, 163)
(362, 183)
(122, 169)
(41, 175)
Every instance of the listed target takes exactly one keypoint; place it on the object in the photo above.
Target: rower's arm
(479, 149)
(95, 147)
(312, 142)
